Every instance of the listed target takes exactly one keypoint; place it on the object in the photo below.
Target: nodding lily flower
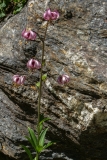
(63, 79)
(49, 15)
(19, 80)
(33, 64)
(29, 35)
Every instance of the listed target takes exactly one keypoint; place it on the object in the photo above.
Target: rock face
(76, 44)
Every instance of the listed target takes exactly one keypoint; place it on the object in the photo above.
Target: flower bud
(33, 64)
(63, 79)
(19, 80)
(48, 15)
(29, 35)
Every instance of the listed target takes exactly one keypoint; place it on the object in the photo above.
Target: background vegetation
(11, 6)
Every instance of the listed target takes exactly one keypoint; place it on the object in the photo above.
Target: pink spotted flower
(18, 80)
(33, 64)
(29, 35)
(51, 15)
(63, 79)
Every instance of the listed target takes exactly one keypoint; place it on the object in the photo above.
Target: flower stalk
(40, 88)
(37, 156)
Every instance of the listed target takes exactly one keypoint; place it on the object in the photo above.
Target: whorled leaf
(27, 151)
(43, 120)
(48, 144)
(30, 140)
(33, 138)
(42, 137)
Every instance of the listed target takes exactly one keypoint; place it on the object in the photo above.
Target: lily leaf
(44, 77)
(38, 84)
(30, 140)
(42, 137)
(45, 119)
(27, 151)
(48, 145)
(33, 138)
(42, 119)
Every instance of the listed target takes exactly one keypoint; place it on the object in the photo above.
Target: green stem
(46, 30)
(37, 156)
(40, 88)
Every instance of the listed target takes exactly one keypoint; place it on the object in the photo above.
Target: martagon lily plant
(38, 140)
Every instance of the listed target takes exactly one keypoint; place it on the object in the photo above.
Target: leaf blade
(27, 151)
(42, 137)
(44, 77)
(38, 84)
(33, 138)
(29, 139)
(43, 120)
(48, 145)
